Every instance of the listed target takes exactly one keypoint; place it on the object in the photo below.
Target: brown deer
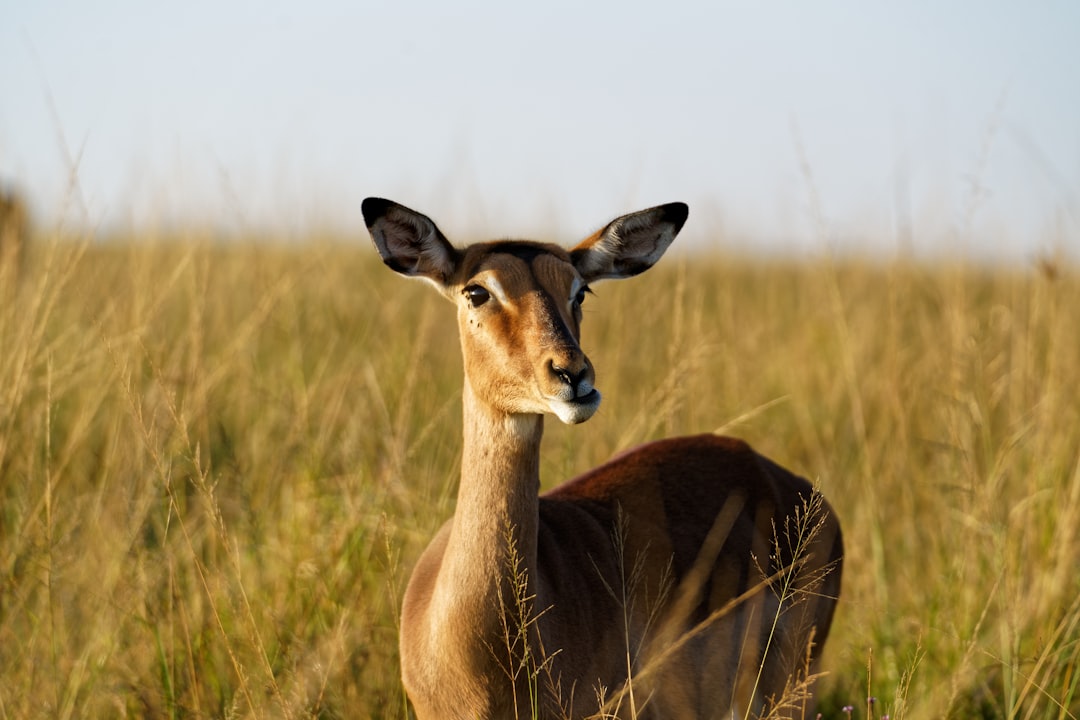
(686, 578)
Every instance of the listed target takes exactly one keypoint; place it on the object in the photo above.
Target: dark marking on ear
(374, 208)
(396, 266)
(629, 268)
(676, 214)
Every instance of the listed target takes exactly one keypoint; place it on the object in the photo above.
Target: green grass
(218, 463)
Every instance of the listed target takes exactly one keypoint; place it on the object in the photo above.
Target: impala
(689, 577)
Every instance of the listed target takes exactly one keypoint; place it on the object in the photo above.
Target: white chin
(577, 411)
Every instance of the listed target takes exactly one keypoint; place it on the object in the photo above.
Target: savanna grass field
(220, 459)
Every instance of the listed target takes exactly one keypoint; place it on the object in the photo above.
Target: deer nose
(574, 372)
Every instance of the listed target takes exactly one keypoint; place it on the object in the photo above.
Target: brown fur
(653, 585)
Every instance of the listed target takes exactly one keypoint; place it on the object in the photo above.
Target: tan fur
(650, 586)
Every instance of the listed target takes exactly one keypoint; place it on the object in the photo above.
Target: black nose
(570, 376)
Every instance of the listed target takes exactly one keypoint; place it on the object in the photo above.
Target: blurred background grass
(218, 462)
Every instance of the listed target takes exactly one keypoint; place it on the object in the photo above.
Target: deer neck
(497, 516)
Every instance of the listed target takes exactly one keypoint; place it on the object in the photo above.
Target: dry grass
(217, 464)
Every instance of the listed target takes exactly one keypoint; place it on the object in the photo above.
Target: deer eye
(477, 295)
(580, 297)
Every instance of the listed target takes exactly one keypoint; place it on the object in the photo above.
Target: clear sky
(790, 125)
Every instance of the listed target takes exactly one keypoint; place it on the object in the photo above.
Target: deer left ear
(409, 242)
(630, 244)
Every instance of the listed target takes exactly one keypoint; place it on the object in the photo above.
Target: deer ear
(630, 244)
(409, 242)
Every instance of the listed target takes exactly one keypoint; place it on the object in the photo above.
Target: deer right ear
(630, 244)
(409, 242)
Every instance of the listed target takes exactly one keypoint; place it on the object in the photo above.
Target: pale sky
(785, 125)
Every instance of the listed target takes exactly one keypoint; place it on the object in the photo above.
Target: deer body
(657, 585)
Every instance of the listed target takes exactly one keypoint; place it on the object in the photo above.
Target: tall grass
(218, 463)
